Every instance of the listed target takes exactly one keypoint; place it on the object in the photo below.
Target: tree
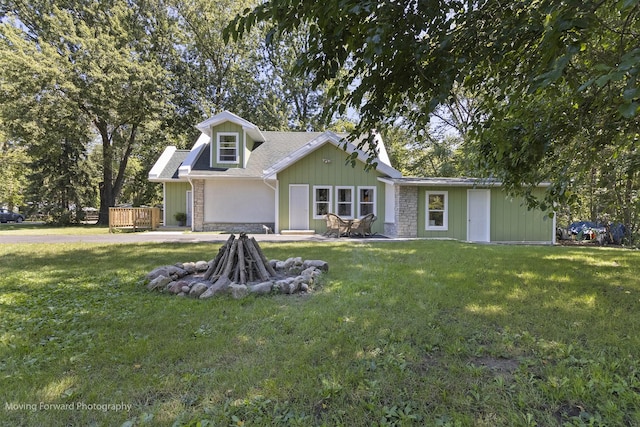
(405, 58)
(13, 160)
(302, 100)
(101, 58)
(213, 76)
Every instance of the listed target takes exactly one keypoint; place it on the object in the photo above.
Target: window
(344, 202)
(437, 210)
(321, 201)
(227, 147)
(366, 201)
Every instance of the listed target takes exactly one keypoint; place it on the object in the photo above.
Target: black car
(6, 215)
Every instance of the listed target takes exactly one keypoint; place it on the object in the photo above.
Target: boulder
(189, 267)
(263, 288)
(316, 263)
(175, 287)
(288, 285)
(198, 289)
(292, 262)
(202, 266)
(217, 288)
(159, 282)
(167, 271)
(238, 291)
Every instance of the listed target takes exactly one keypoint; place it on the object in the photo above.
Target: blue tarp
(617, 231)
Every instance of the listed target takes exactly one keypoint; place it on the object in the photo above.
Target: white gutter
(193, 206)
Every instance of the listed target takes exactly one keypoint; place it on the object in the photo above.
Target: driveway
(151, 236)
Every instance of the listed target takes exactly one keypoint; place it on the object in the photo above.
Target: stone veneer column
(198, 204)
(406, 211)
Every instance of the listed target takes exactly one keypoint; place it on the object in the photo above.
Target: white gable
(226, 116)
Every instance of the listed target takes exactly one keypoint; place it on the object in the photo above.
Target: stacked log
(239, 261)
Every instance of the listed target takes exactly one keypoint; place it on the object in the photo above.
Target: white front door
(298, 207)
(478, 215)
(189, 207)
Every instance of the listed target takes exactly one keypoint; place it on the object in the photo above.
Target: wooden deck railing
(136, 218)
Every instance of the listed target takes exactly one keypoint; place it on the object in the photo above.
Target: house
(470, 209)
(238, 178)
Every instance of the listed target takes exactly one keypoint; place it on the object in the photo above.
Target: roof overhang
(448, 182)
(192, 157)
(161, 164)
(226, 116)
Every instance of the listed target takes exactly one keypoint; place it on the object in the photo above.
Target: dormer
(231, 140)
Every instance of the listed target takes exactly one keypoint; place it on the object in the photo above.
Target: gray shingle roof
(276, 146)
(171, 169)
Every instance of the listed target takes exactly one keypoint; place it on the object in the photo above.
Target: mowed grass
(41, 229)
(400, 333)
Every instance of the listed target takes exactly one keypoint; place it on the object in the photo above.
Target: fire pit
(240, 268)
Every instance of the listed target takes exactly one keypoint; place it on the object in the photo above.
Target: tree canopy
(549, 77)
(85, 64)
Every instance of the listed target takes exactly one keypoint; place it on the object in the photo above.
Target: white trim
(450, 182)
(245, 153)
(337, 202)
(188, 163)
(277, 208)
(164, 203)
(445, 211)
(328, 202)
(487, 230)
(374, 203)
(226, 116)
(193, 207)
(161, 163)
(237, 148)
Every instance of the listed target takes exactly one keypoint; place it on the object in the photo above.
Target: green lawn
(401, 333)
(39, 229)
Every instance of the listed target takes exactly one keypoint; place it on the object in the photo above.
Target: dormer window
(228, 147)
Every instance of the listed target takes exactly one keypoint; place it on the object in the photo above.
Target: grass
(401, 333)
(39, 229)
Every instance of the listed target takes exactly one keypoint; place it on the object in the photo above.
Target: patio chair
(362, 226)
(336, 225)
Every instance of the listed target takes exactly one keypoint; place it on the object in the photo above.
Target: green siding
(227, 127)
(175, 200)
(326, 167)
(510, 220)
(457, 220)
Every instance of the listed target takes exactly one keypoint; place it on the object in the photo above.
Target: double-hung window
(437, 210)
(321, 201)
(344, 202)
(366, 201)
(228, 147)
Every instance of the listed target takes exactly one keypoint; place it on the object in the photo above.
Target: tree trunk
(111, 187)
(107, 198)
